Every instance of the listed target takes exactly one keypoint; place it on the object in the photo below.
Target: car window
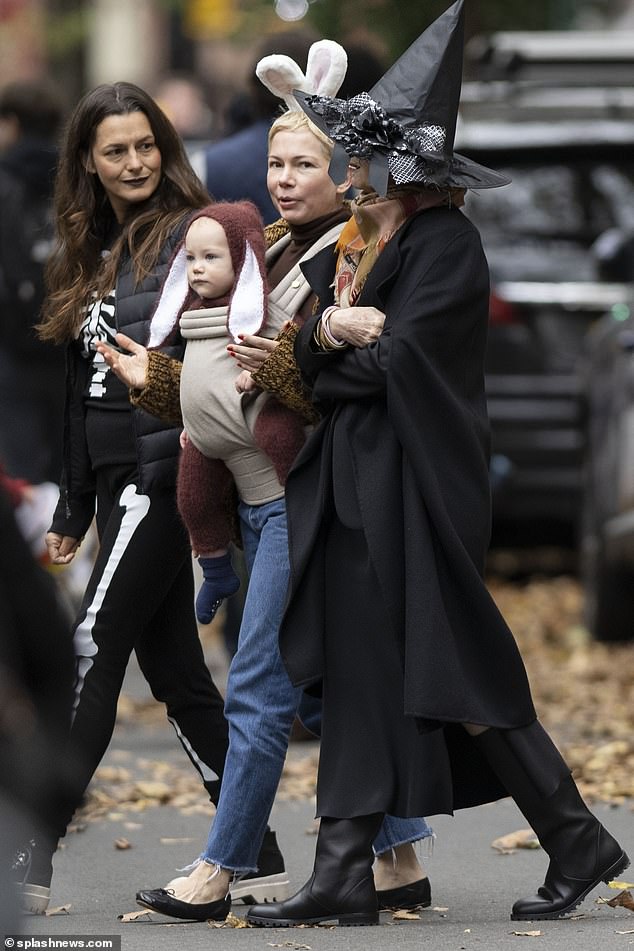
(542, 225)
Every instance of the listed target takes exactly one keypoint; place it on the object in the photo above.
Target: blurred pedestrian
(31, 370)
(36, 678)
(426, 703)
(184, 99)
(124, 191)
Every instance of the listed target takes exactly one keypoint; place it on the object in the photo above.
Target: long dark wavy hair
(85, 220)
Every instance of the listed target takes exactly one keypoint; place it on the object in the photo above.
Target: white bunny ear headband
(325, 71)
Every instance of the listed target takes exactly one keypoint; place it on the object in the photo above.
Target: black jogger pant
(141, 597)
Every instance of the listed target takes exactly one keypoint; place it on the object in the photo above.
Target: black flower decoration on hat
(362, 125)
(359, 124)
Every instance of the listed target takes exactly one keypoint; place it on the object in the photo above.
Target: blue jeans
(261, 704)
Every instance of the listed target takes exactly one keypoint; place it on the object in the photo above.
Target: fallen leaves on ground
(142, 784)
(527, 934)
(290, 944)
(582, 691)
(622, 900)
(136, 915)
(404, 915)
(231, 921)
(522, 839)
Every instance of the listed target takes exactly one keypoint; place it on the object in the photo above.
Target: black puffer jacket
(157, 443)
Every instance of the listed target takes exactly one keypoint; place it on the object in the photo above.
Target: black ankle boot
(342, 884)
(582, 852)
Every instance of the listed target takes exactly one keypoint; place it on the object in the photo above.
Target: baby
(237, 440)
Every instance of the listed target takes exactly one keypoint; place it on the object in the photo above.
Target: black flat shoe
(415, 895)
(157, 899)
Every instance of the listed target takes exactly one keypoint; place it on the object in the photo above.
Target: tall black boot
(582, 852)
(342, 884)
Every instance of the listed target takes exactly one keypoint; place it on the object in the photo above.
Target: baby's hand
(183, 438)
(245, 383)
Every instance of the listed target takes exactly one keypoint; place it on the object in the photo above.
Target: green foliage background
(394, 23)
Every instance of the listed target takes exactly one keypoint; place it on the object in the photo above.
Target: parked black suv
(569, 152)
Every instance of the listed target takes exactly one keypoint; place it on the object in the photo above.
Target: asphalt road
(473, 886)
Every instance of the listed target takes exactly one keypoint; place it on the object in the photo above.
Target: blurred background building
(196, 53)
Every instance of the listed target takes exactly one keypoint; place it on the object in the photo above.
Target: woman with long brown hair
(124, 192)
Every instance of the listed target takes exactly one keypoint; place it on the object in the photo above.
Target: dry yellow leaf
(122, 843)
(622, 900)
(231, 921)
(153, 789)
(522, 839)
(404, 915)
(135, 915)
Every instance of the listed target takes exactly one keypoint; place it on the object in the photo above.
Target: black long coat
(405, 432)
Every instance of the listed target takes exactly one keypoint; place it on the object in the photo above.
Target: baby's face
(209, 268)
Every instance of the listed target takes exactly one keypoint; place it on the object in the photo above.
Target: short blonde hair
(294, 121)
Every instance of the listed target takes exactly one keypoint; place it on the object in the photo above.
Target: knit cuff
(280, 375)
(161, 394)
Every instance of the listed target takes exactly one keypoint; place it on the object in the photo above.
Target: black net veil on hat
(405, 125)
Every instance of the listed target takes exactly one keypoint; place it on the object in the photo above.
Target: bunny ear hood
(243, 226)
(325, 72)
(171, 300)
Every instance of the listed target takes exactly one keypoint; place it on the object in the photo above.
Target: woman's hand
(358, 326)
(131, 368)
(61, 548)
(252, 351)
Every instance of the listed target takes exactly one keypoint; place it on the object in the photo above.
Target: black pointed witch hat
(406, 124)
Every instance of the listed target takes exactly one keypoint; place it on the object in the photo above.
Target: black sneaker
(270, 882)
(32, 871)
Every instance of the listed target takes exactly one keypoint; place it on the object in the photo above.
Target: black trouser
(141, 597)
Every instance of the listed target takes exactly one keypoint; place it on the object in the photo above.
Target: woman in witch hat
(426, 703)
